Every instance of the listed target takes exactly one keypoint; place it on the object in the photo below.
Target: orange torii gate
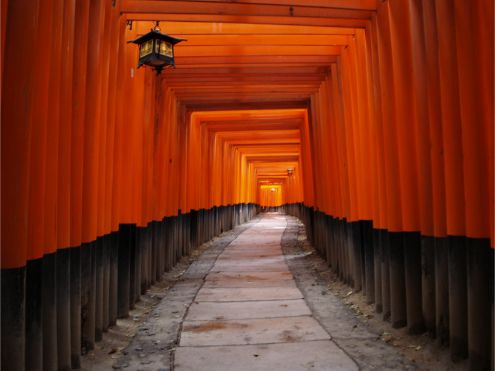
(109, 171)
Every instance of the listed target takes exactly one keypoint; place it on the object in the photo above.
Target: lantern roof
(156, 34)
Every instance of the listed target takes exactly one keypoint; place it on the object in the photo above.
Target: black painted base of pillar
(377, 264)
(428, 283)
(49, 312)
(13, 319)
(356, 255)
(442, 291)
(369, 260)
(385, 244)
(34, 325)
(126, 238)
(75, 306)
(457, 297)
(63, 309)
(114, 277)
(414, 294)
(480, 303)
(398, 313)
(106, 282)
(99, 289)
(88, 288)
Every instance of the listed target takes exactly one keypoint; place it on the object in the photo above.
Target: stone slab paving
(311, 355)
(251, 331)
(248, 294)
(243, 267)
(253, 254)
(250, 315)
(208, 311)
(249, 259)
(250, 279)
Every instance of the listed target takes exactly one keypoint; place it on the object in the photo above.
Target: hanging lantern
(290, 171)
(156, 49)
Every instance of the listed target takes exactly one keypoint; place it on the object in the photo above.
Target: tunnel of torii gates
(372, 121)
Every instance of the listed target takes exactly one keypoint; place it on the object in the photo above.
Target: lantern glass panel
(164, 48)
(146, 48)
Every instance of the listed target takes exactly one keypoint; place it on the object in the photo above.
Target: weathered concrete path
(250, 315)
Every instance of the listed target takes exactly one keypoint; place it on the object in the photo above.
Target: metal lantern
(156, 49)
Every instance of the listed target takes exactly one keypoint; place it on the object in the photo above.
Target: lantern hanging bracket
(129, 23)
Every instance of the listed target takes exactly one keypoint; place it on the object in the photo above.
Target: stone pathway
(250, 315)
(257, 297)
